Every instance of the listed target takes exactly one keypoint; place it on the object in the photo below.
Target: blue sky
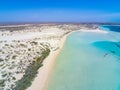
(60, 11)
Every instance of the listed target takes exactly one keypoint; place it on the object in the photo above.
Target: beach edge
(44, 72)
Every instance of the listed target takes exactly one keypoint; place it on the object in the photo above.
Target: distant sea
(88, 61)
(115, 28)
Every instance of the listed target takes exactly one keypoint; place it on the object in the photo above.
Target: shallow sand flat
(95, 31)
(30, 35)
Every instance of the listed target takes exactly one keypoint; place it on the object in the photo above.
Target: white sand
(48, 36)
(31, 34)
(96, 31)
(44, 72)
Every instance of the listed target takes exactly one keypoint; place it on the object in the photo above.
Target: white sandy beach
(44, 72)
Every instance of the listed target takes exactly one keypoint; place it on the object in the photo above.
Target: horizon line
(16, 23)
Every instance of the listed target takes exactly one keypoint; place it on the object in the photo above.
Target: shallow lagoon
(88, 61)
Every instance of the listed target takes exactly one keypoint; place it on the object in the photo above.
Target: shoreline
(44, 72)
(35, 38)
(41, 79)
(95, 31)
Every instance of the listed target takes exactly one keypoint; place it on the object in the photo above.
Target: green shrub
(2, 83)
(14, 57)
(31, 72)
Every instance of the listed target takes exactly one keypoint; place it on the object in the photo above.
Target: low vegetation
(31, 72)
(2, 83)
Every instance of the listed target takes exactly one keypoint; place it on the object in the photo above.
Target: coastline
(62, 79)
(44, 72)
(95, 31)
(35, 38)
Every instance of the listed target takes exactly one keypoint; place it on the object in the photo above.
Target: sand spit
(94, 30)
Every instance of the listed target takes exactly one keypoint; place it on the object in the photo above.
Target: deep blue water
(110, 46)
(115, 28)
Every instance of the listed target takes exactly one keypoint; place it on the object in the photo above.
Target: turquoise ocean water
(88, 61)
